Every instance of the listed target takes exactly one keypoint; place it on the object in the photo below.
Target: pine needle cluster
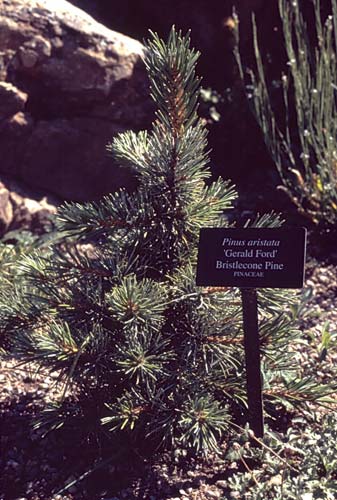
(113, 307)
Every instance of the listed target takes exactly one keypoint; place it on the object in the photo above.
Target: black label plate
(252, 257)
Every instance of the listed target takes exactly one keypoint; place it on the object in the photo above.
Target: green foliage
(301, 465)
(203, 422)
(13, 246)
(328, 340)
(299, 126)
(112, 306)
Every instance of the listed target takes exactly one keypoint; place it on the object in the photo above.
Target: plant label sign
(251, 257)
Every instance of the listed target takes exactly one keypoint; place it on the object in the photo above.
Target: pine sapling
(113, 307)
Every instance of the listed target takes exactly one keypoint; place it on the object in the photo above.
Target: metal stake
(252, 356)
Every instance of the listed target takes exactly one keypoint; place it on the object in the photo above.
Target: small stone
(212, 494)
(57, 29)
(40, 45)
(28, 58)
(276, 480)
(307, 496)
(323, 279)
(221, 483)
(57, 42)
(44, 47)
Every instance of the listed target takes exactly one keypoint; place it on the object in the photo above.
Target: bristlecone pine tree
(113, 307)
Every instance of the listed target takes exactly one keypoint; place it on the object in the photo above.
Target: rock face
(67, 86)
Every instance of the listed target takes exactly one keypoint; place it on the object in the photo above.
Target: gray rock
(69, 84)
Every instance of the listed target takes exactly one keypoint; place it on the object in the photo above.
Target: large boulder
(67, 86)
